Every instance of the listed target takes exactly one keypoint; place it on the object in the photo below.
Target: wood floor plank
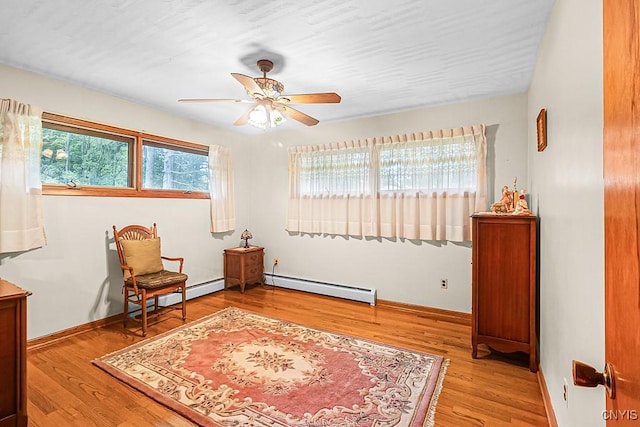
(64, 388)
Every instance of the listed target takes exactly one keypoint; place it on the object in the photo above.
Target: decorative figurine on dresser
(504, 277)
(243, 265)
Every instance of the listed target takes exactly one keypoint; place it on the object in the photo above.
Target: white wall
(75, 278)
(401, 270)
(567, 193)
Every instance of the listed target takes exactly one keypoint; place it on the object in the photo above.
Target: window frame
(135, 162)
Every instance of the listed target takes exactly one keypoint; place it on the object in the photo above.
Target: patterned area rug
(237, 368)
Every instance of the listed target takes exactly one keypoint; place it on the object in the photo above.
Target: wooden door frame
(621, 157)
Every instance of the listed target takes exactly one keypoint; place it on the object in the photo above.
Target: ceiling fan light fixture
(258, 118)
(270, 106)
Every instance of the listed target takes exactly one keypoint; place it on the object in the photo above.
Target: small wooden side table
(243, 266)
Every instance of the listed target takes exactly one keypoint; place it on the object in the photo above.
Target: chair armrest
(173, 258)
(126, 267)
(180, 259)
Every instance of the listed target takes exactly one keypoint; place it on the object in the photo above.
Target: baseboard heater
(193, 291)
(323, 288)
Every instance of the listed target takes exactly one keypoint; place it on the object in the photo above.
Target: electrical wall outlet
(565, 392)
(276, 262)
(444, 283)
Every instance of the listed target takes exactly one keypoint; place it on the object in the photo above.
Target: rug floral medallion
(237, 368)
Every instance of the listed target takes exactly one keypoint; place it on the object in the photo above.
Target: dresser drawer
(253, 259)
(254, 273)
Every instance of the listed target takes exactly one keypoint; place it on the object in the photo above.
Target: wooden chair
(144, 274)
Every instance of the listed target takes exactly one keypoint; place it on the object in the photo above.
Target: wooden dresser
(504, 284)
(13, 355)
(243, 266)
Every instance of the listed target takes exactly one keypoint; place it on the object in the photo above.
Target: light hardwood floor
(65, 389)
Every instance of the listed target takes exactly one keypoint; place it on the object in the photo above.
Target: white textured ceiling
(381, 56)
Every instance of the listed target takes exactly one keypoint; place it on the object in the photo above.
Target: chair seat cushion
(159, 279)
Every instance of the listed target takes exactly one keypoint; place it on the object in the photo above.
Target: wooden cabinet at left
(13, 355)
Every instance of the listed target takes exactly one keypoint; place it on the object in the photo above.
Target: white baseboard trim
(355, 293)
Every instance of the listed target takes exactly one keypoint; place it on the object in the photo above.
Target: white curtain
(21, 220)
(416, 186)
(223, 207)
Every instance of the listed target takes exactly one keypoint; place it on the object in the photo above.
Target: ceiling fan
(269, 104)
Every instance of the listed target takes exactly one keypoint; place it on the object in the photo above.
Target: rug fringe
(430, 420)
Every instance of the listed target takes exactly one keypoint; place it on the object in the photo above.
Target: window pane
(172, 168)
(334, 172)
(84, 157)
(431, 165)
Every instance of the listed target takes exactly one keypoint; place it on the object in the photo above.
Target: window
(417, 186)
(341, 172)
(173, 168)
(436, 165)
(86, 158)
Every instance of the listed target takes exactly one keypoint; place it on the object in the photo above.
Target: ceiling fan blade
(249, 83)
(297, 115)
(213, 100)
(311, 98)
(244, 119)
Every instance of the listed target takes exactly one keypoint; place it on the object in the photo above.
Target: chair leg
(144, 313)
(155, 305)
(184, 303)
(125, 292)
